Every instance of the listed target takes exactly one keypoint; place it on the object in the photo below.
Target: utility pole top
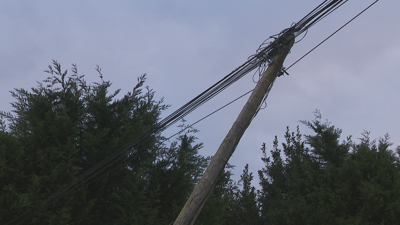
(204, 187)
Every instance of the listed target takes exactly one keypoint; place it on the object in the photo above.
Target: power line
(203, 118)
(264, 55)
(332, 34)
(260, 71)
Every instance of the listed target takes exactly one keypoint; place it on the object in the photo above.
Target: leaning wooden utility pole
(202, 191)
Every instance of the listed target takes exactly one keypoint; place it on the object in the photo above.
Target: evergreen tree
(12, 197)
(175, 173)
(244, 208)
(64, 126)
(322, 181)
(217, 208)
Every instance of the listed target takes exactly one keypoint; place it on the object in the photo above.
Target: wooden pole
(202, 191)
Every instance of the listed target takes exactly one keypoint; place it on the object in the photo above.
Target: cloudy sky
(186, 46)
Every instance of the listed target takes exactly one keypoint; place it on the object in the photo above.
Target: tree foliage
(64, 126)
(244, 208)
(316, 179)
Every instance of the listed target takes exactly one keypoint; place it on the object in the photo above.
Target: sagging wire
(305, 34)
(109, 163)
(268, 48)
(263, 56)
(261, 69)
(266, 54)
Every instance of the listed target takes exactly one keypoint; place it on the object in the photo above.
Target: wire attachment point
(282, 71)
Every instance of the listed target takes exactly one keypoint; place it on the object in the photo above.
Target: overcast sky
(186, 46)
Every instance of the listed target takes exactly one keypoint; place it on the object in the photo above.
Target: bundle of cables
(119, 158)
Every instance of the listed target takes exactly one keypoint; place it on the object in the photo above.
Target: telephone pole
(204, 187)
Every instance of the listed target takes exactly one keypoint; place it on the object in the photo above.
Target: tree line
(65, 126)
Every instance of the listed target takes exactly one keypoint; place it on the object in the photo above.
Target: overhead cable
(263, 56)
(351, 20)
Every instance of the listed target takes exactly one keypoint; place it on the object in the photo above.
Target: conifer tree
(322, 181)
(217, 208)
(244, 208)
(64, 126)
